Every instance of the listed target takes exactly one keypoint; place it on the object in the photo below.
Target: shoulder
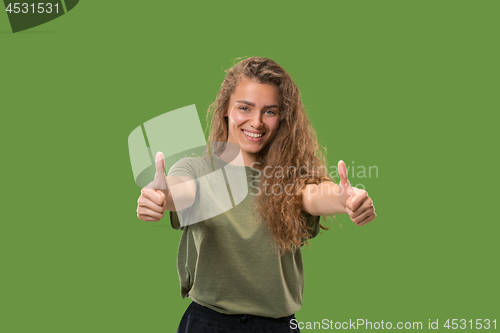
(191, 166)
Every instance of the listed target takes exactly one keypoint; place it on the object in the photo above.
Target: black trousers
(200, 319)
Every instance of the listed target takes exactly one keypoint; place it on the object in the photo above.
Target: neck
(242, 159)
(250, 160)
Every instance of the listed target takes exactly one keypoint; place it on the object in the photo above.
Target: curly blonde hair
(304, 160)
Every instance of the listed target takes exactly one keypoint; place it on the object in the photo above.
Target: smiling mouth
(253, 135)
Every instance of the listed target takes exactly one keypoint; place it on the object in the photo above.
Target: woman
(243, 268)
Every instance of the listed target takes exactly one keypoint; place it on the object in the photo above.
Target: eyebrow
(252, 104)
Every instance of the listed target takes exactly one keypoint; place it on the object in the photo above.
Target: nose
(256, 120)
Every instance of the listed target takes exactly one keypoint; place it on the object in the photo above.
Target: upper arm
(308, 199)
(181, 182)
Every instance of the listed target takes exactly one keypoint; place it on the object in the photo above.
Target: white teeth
(253, 135)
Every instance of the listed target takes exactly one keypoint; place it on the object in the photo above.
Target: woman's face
(252, 116)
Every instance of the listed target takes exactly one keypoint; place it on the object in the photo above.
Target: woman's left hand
(358, 204)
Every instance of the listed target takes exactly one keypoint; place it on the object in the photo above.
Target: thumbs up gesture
(151, 203)
(358, 204)
(160, 182)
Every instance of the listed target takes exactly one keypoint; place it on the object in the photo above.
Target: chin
(252, 151)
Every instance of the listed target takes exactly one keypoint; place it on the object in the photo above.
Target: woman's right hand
(151, 204)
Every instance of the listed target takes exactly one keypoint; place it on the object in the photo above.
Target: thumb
(161, 194)
(344, 186)
(160, 182)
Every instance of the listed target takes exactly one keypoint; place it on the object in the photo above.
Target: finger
(148, 213)
(155, 196)
(367, 220)
(345, 190)
(342, 172)
(148, 204)
(366, 214)
(358, 213)
(160, 162)
(147, 218)
(363, 208)
(349, 212)
(160, 181)
(359, 197)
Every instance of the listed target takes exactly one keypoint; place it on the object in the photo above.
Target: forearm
(322, 199)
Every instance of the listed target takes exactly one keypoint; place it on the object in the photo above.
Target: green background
(408, 86)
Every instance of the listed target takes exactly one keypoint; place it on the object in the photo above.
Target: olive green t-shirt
(229, 262)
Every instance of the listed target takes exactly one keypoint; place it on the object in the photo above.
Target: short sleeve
(174, 220)
(183, 167)
(313, 222)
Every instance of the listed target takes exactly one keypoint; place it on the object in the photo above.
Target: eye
(244, 108)
(271, 112)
